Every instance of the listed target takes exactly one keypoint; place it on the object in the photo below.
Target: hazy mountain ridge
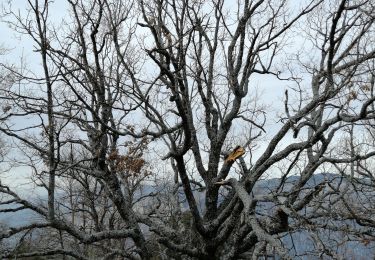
(299, 243)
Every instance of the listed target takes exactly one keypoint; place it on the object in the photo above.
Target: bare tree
(146, 130)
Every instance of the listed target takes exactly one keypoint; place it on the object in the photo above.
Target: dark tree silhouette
(146, 131)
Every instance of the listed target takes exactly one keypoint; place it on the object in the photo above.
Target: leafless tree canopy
(141, 131)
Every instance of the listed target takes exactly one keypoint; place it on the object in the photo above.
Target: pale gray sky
(271, 89)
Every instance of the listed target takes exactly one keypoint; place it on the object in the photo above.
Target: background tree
(136, 123)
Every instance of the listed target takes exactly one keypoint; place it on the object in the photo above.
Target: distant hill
(299, 243)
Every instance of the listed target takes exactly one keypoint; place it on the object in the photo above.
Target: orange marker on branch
(236, 153)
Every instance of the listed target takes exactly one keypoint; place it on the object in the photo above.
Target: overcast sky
(271, 89)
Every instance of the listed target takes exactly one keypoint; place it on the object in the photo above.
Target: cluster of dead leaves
(130, 163)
